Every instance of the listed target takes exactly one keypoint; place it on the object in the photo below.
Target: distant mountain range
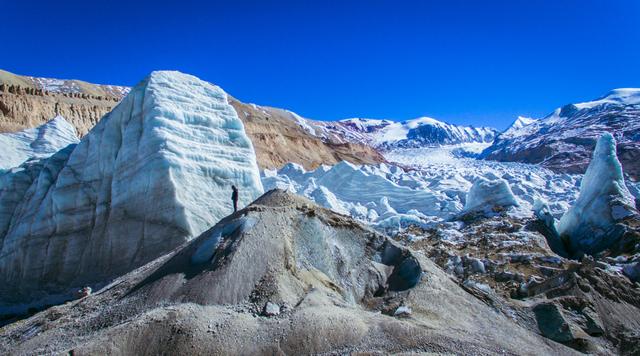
(388, 134)
(564, 140)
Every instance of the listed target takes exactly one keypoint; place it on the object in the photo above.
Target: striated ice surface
(604, 199)
(39, 142)
(153, 173)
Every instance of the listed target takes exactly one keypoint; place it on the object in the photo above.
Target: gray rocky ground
(592, 305)
(339, 287)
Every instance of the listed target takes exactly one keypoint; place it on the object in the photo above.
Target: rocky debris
(82, 293)
(271, 309)
(591, 306)
(552, 322)
(342, 281)
(632, 271)
(402, 311)
(477, 266)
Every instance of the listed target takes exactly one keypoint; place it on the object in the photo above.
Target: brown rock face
(278, 139)
(27, 102)
(21, 111)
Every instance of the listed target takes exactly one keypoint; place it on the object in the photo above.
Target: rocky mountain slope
(564, 140)
(282, 276)
(278, 138)
(152, 174)
(27, 102)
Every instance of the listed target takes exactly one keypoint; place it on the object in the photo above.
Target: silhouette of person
(234, 198)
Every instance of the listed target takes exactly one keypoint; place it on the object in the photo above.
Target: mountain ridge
(563, 140)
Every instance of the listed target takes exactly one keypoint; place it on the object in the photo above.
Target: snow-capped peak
(620, 96)
(419, 132)
(516, 128)
(521, 122)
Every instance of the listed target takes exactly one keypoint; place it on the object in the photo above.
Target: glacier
(153, 173)
(422, 186)
(590, 224)
(39, 142)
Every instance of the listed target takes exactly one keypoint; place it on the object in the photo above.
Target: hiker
(234, 198)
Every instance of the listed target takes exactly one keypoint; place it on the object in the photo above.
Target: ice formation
(153, 173)
(486, 194)
(39, 142)
(604, 199)
(433, 190)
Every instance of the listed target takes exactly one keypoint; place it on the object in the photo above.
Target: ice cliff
(39, 142)
(590, 224)
(152, 174)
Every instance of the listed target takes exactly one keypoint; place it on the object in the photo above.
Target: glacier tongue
(153, 173)
(604, 199)
(39, 142)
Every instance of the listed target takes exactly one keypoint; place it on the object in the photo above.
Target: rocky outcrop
(154, 173)
(588, 305)
(282, 276)
(27, 102)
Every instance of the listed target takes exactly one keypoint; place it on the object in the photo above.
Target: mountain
(563, 141)
(279, 138)
(387, 134)
(152, 174)
(40, 142)
(27, 102)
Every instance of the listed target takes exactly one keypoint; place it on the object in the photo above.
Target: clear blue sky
(465, 62)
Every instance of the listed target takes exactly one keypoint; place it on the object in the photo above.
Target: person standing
(234, 198)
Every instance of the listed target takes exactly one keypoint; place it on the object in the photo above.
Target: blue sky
(480, 62)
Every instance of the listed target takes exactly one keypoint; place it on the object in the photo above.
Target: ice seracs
(487, 194)
(433, 190)
(152, 174)
(590, 224)
(39, 142)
